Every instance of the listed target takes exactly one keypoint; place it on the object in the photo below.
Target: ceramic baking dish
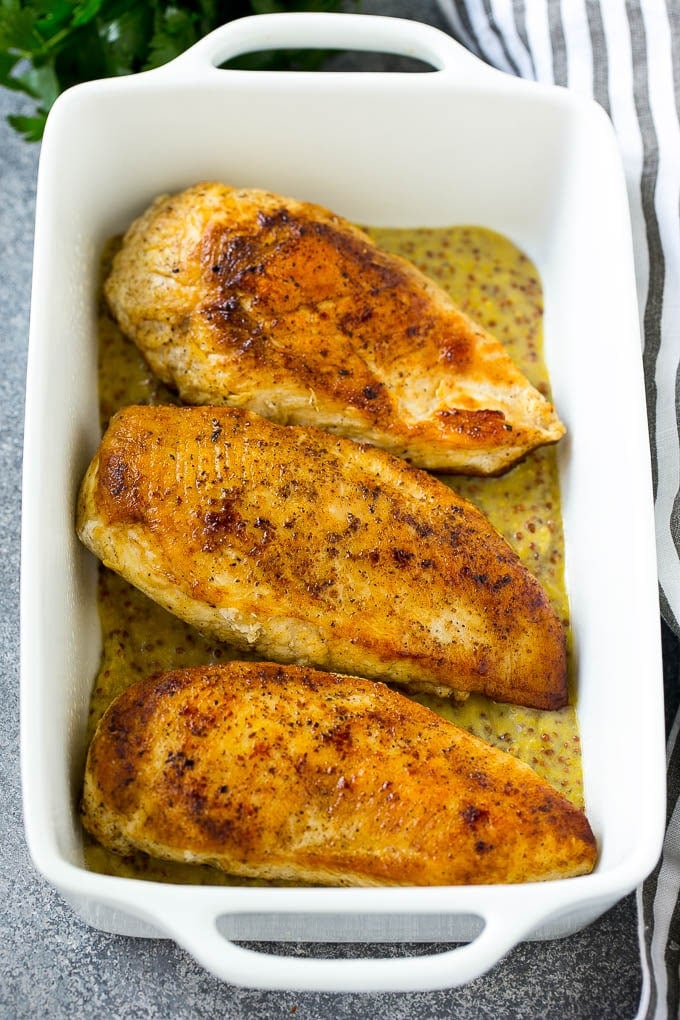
(462, 144)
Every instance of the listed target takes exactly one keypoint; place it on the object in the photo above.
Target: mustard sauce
(495, 283)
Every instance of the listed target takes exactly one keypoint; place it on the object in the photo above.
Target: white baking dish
(461, 144)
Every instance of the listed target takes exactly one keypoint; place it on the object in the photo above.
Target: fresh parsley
(48, 45)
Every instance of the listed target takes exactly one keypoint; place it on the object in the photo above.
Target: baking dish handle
(302, 30)
(196, 931)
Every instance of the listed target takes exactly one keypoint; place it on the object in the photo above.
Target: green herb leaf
(124, 40)
(7, 65)
(52, 16)
(86, 10)
(174, 32)
(30, 127)
(18, 34)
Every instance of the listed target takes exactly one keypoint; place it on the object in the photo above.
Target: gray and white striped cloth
(626, 54)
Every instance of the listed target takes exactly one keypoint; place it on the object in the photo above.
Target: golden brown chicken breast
(246, 298)
(290, 774)
(303, 547)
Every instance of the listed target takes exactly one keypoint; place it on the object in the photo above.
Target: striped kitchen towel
(626, 54)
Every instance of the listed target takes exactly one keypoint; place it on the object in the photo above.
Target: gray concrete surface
(51, 964)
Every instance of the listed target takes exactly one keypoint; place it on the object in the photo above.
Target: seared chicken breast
(286, 773)
(247, 298)
(299, 546)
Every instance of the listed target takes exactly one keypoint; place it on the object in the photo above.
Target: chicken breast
(286, 773)
(246, 298)
(303, 547)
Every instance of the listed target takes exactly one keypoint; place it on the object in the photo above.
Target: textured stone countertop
(52, 964)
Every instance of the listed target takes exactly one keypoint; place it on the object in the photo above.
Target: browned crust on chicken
(285, 773)
(300, 546)
(247, 298)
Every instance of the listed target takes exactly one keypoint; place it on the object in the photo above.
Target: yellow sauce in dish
(495, 283)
